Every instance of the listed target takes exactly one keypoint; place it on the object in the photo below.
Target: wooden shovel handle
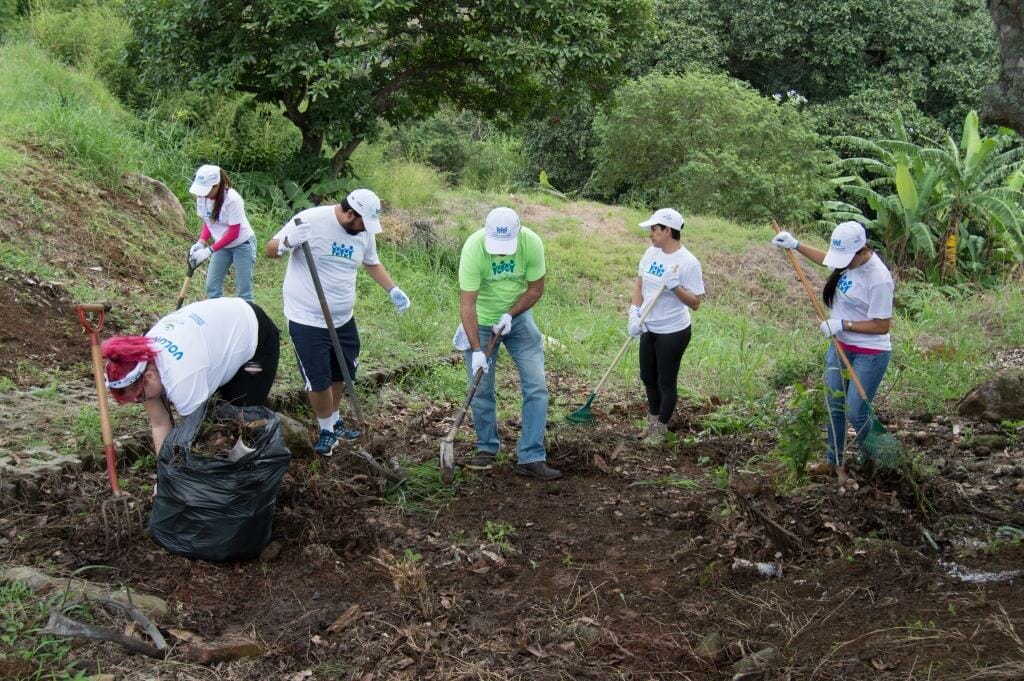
(472, 391)
(819, 307)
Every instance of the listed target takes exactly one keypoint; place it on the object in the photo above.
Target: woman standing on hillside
(222, 211)
(665, 332)
(858, 294)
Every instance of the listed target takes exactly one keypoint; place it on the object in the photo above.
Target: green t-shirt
(499, 279)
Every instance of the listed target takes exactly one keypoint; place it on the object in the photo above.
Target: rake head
(582, 416)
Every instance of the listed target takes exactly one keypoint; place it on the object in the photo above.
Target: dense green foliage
(944, 208)
(339, 68)
(710, 144)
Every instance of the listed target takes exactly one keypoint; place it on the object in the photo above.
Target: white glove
(199, 256)
(830, 327)
(195, 247)
(479, 362)
(298, 235)
(634, 328)
(670, 280)
(401, 301)
(785, 240)
(504, 325)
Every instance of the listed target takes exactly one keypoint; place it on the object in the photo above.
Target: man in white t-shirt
(341, 238)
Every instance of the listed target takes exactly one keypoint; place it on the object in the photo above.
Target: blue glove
(401, 301)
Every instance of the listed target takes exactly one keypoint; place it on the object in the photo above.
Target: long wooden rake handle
(819, 307)
(622, 350)
(472, 391)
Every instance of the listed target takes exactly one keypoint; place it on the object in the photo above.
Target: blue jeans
(524, 344)
(244, 256)
(843, 399)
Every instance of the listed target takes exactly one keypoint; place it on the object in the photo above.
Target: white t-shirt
(231, 213)
(669, 314)
(337, 255)
(202, 346)
(864, 293)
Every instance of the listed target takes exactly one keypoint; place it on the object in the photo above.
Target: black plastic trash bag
(209, 507)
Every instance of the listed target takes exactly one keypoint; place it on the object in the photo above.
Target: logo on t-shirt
(342, 251)
(656, 269)
(844, 284)
(168, 345)
(502, 267)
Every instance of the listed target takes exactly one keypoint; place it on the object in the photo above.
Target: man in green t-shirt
(501, 276)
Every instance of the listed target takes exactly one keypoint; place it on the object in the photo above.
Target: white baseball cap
(207, 177)
(367, 204)
(501, 231)
(847, 239)
(669, 217)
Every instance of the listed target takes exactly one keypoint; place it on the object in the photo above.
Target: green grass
(22, 615)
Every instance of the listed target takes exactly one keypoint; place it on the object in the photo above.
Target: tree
(1004, 100)
(338, 67)
(708, 143)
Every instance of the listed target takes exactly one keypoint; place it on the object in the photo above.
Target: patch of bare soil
(39, 332)
(680, 561)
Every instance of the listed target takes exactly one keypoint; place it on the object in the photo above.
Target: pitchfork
(121, 516)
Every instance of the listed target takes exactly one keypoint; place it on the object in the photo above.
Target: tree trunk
(1004, 99)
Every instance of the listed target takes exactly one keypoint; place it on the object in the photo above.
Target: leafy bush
(801, 437)
(946, 209)
(708, 143)
(89, 37)
(466, 149)
(231, 130)
(562, 144)
(8, 15)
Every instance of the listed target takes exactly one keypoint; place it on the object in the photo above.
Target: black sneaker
(482, 461)
(538, 469)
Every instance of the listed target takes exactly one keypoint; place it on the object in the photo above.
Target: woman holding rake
(858, 294)
(669, 284)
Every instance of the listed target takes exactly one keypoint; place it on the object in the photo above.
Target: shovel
(350, 389)
(188, 278)
(447, 456)
(121, 515)
(881, 446)
(583, 415)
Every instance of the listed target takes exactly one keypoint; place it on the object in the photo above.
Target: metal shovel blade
(446, 461)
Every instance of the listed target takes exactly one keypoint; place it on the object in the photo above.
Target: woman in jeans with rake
(859, 294)
(222, 211)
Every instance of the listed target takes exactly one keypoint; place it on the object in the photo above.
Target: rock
(998, 399)
(204, 652)
(297, 437)
(922, 437)
(982, 450)
(271, 552)
(152, 607)
(711, 648)
(756, 661)
(1020, 487)
(154, 195)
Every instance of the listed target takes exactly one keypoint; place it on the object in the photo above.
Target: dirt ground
(641, 563)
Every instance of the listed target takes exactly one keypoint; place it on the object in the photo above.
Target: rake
(880, 445)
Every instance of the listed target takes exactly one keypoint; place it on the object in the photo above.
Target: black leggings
(251, 384)
(660, 354)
